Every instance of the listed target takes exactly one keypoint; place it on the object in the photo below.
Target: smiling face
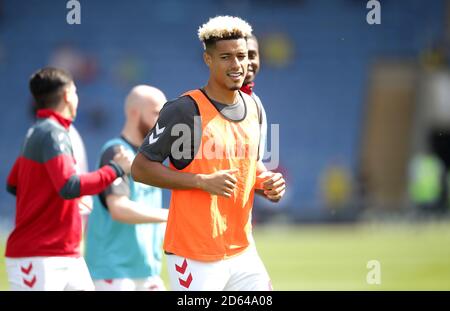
(228, 63)
(253, 58)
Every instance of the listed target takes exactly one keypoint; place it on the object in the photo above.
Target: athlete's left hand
(274, 187)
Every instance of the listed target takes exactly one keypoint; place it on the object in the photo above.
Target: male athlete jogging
(213, 172)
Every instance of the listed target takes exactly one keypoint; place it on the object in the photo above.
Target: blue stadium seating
(318, 98)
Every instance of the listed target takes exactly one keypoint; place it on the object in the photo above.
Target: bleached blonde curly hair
(224, 27)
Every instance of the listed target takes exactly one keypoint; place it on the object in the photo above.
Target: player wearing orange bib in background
(212, 173)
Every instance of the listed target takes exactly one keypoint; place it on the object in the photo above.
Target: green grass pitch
(320, 257)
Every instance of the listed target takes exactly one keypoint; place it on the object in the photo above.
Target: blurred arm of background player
(127, 211)
(119, 207)
(124, 210)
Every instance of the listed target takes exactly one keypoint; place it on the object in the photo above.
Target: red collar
(48, 113)
(248, 88)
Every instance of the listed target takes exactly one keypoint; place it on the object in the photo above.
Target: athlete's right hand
(220, 183)
(123, 159)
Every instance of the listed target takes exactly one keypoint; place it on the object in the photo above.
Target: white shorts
(48, 274)
(244, 272)
(152, 283)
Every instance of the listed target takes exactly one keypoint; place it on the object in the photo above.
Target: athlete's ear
(69, 93)
(207, 58)
(66, 95)
(136, 112)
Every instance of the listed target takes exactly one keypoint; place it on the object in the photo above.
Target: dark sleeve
(121, 186)
(60, 166)
(173, 134)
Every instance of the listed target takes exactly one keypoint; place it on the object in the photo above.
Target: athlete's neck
(65, 111)
(227, 97)
(132, 134)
